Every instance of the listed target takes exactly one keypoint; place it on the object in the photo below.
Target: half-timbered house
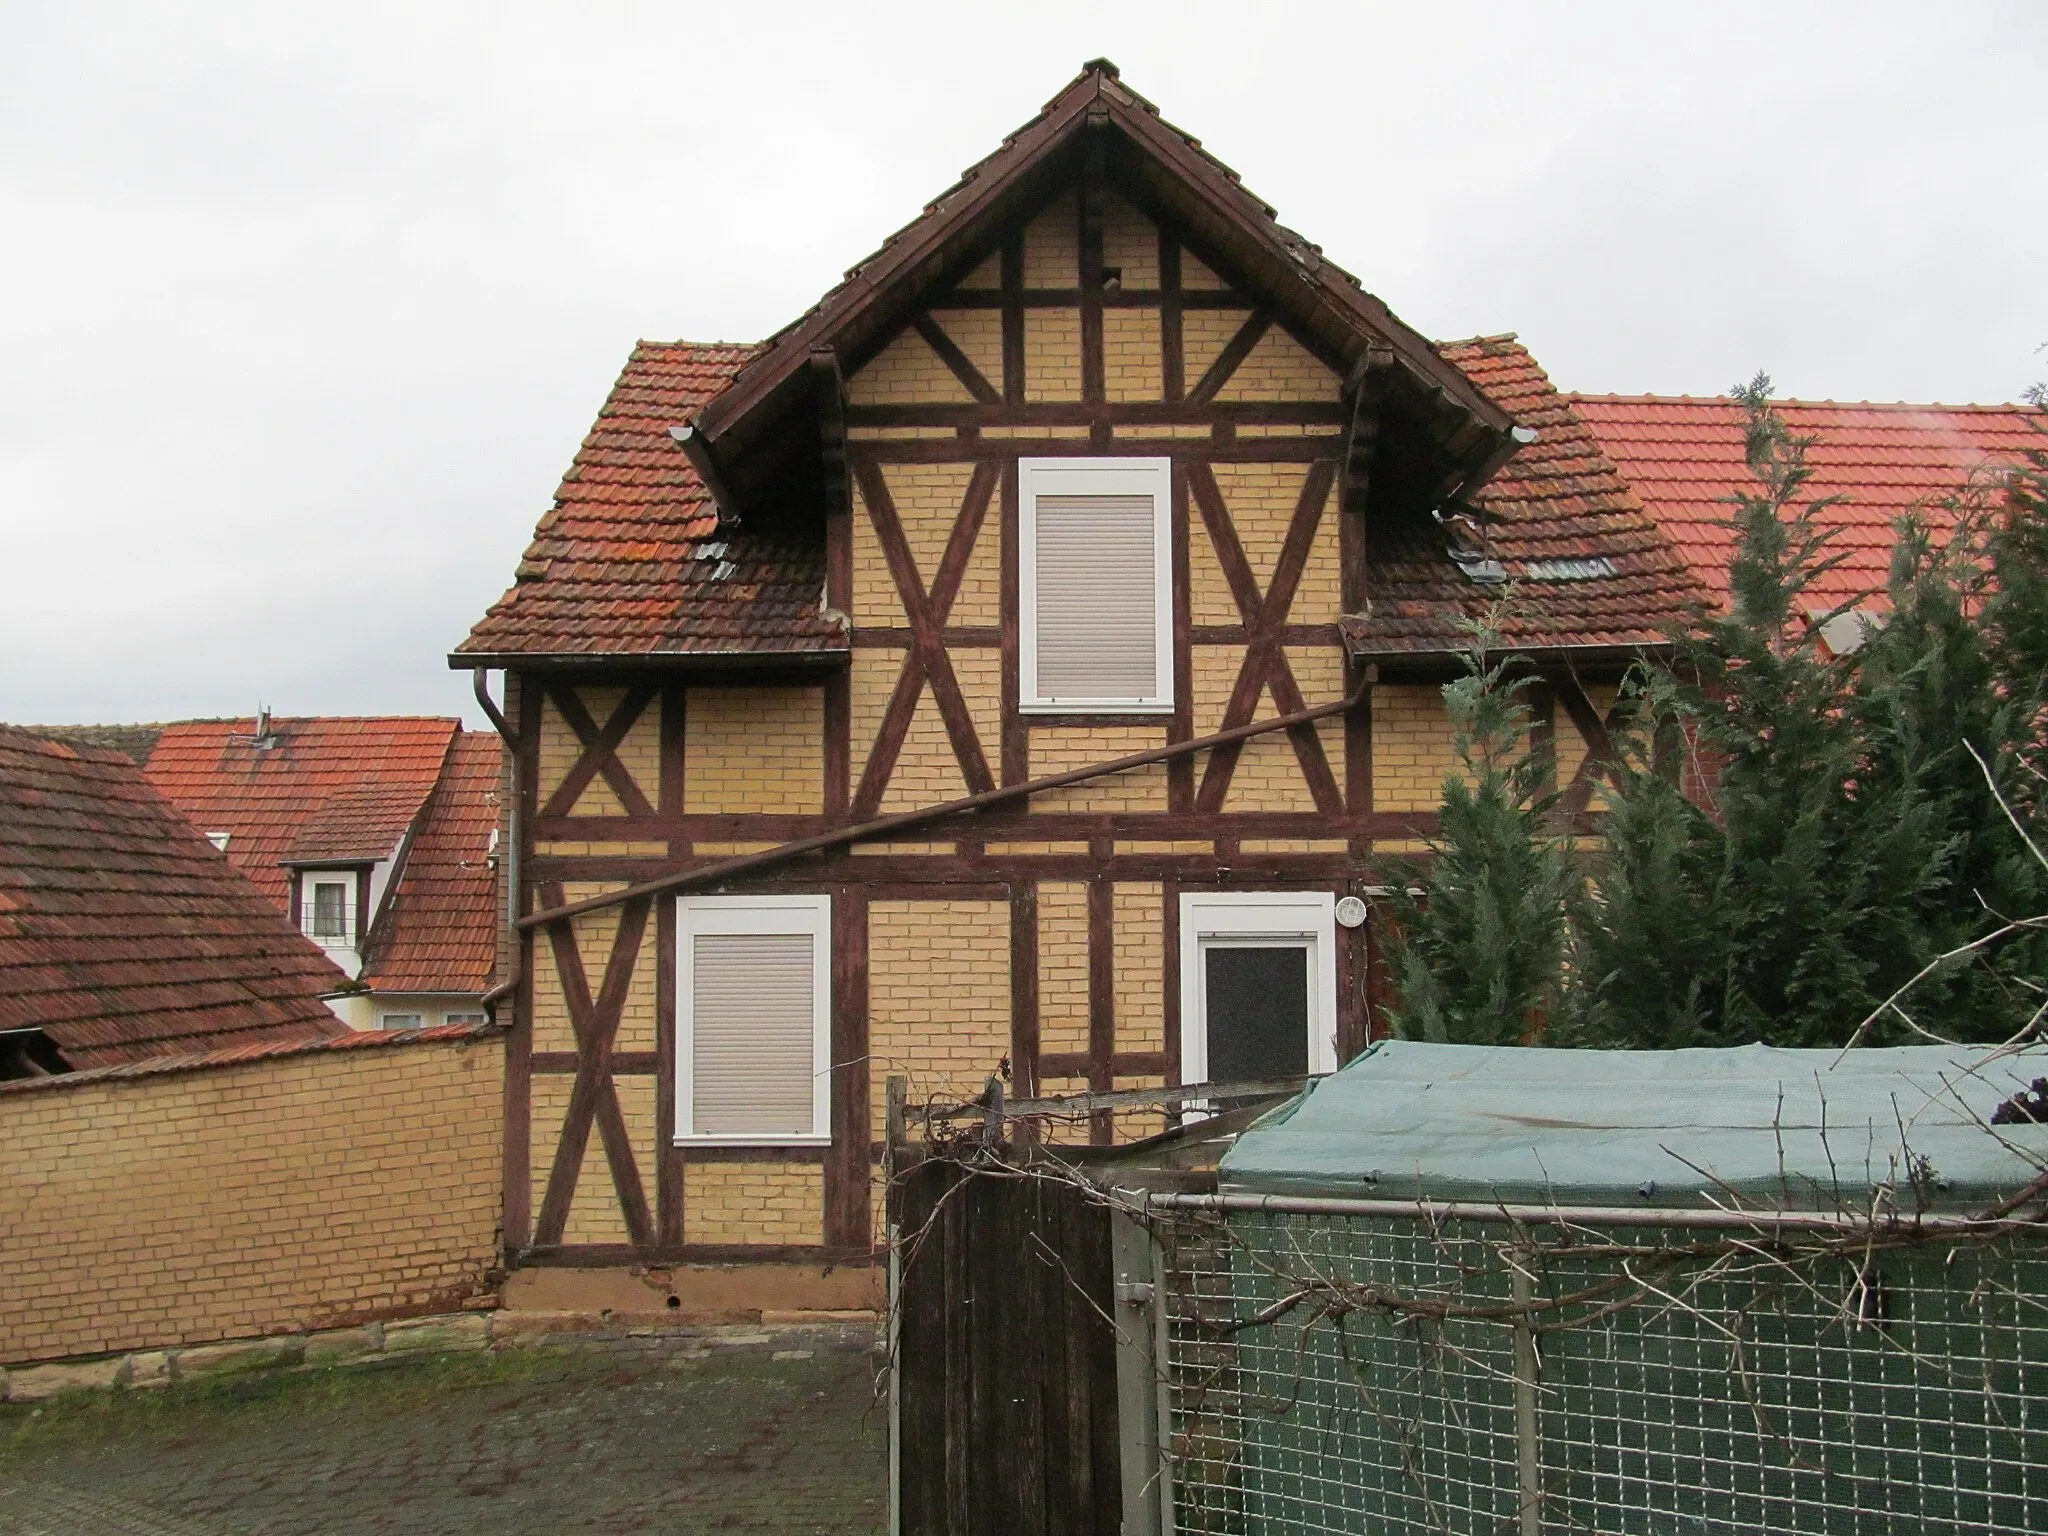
(1008, 666)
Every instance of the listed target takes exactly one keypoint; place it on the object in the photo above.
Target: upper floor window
(1096, 619)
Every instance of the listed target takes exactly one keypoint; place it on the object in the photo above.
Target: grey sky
(304, 309)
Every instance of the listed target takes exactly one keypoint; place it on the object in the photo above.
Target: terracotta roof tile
(1590, 567)
(1684, 456)
(247, 1051)
(440, 931)
(123, 932)
(630, 561)
(267, 799)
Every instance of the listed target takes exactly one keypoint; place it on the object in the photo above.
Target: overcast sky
(303, 309)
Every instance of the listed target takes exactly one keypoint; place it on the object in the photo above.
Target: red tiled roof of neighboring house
(630, 560)
(241, 1053)
(266, 798)
(440, 931)
(1684, 456)
(1590, 568)
(124, 933)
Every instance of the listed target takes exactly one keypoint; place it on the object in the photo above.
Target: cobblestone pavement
(716, 1430)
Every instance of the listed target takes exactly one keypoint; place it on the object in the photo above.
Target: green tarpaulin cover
(1796, 1130)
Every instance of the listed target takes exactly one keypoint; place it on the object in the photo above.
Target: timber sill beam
(903, 821)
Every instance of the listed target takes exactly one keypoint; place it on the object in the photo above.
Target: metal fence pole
(1137, 1371)
(1528, 1449)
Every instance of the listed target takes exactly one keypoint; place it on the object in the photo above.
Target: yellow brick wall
(906, 372)
(1060, 749)
(1411, 747)
(1261, 499)
(927, 498)
(1052, 245)
(1130, 241)
(938, 996)
(1140, 962)
(639, 753)
(979, 334)
(1062, 966)
(1204, 333)
(595, 1215)
(757, 1203)
(595, 932)
(754, 750)
(1280, 368)
(1131, 353)
(1052, 354)
(186, 1207)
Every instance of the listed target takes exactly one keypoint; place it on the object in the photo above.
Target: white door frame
(1309, 917)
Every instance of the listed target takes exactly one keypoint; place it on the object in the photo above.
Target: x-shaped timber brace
(1265, 618)
(594, 1098)
(926, 660)
(600, 749)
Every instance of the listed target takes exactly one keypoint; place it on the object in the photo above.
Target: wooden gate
(1006, 1356)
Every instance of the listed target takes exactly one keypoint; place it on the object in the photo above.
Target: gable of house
(124, 934)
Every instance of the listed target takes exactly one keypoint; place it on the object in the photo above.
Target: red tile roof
(244, 1052)
(441, 928)
(630, 560)
(266, 800)
(1590, 568)
(123, 933)
(1684, 456)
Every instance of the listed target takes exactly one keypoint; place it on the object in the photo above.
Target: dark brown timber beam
(747, 863)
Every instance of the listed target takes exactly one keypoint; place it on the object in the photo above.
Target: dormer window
(1096, 620)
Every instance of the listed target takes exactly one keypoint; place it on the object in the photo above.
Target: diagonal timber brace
(839, 837)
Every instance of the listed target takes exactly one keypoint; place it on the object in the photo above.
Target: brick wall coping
(242, 1055)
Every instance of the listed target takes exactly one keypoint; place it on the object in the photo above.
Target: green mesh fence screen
(1376, 1376)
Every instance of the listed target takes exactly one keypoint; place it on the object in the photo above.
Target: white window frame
(1095, 477)
(754, 914)
(1309, 917)
(309, 881)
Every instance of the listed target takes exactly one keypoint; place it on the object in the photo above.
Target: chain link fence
(1325, 1373)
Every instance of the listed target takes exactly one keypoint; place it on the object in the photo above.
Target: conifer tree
(1480, 960)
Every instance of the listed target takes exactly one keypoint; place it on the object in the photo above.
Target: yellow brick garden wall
(295, 1192)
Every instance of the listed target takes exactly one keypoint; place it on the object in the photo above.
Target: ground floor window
(753, 1019)
(1258, 985)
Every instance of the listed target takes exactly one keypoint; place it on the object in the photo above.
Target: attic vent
(1595, 569)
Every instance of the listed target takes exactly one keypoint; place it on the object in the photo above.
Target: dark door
(1256, 1006)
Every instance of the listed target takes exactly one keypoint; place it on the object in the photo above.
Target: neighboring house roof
(1684, 456)
(268, 798)
(123, 933)
(440, 931)
(134, 742)
(1590, 568)
(630, 561)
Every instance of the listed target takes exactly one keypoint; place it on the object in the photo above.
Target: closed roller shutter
(753, 1012)
(1097, 597)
